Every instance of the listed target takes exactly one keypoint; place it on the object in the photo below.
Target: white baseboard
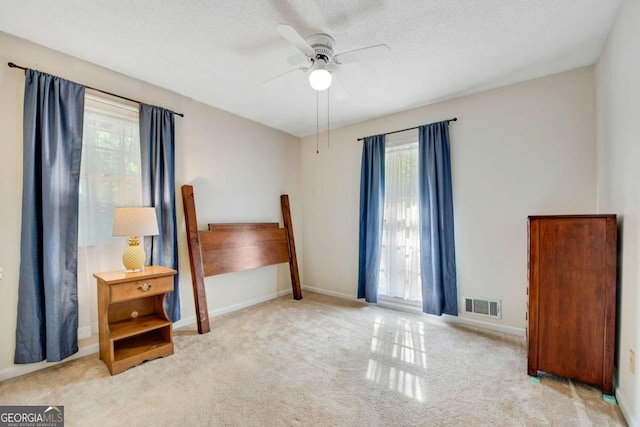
(88, 331)
(330, 293)
(84, 332)
(220, 311)
(511, 330)
(390, 303)
(93, 348)
(17, 370)
(458, 320)
(624, 407)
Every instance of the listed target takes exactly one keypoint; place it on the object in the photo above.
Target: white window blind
(109, 177)
(400, 258)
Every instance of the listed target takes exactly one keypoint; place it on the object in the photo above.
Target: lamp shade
(320, 79)
(136, 221)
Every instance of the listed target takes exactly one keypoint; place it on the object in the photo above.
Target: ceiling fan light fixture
(320, 79)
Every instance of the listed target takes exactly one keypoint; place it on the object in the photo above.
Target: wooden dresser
(133, 323)
(572, 297)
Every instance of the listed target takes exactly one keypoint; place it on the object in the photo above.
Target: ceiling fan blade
(362, 54)
(338, 88)
(297, 59)
(284, 74)
(290, 34)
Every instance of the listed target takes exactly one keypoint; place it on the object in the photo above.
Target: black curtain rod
(455, 119)
(12, 65)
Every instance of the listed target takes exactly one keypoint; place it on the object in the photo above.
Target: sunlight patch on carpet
(404, 342)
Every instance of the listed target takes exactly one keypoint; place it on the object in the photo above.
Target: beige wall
(618, 140)
(238, 169)
(519, 150)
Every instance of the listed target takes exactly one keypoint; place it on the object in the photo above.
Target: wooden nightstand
(133, 323)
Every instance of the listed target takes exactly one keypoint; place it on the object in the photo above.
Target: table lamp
(134, 222)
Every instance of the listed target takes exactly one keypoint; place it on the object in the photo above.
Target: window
(400, 257)
(109, 177)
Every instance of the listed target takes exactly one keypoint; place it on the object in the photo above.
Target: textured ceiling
(221, 52)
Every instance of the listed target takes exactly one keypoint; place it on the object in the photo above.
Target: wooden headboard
(225, 248)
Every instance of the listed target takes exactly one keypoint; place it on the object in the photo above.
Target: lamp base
(133, 258)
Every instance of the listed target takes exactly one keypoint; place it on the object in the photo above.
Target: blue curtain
(157, 145)
(437, 246)
(47, 324)
(371, 216)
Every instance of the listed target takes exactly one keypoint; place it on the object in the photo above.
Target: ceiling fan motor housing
(323, 45)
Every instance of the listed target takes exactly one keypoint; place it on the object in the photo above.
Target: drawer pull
(144, 287)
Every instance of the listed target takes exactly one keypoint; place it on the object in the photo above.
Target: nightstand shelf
(146, 345)
(128, 328)
(134, 326)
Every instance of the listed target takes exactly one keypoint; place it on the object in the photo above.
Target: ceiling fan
(319, 52)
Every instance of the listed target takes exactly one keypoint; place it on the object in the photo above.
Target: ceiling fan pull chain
(317, 122)
(328, 121)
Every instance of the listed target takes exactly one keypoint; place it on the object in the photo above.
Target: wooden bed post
(195, 258)
(225, 248)
(293, 259)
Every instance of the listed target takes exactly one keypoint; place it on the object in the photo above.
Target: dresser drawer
(140, 288)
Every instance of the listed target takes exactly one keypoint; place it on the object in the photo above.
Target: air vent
(485, 307)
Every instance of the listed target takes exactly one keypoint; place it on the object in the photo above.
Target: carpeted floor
(321, 361)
